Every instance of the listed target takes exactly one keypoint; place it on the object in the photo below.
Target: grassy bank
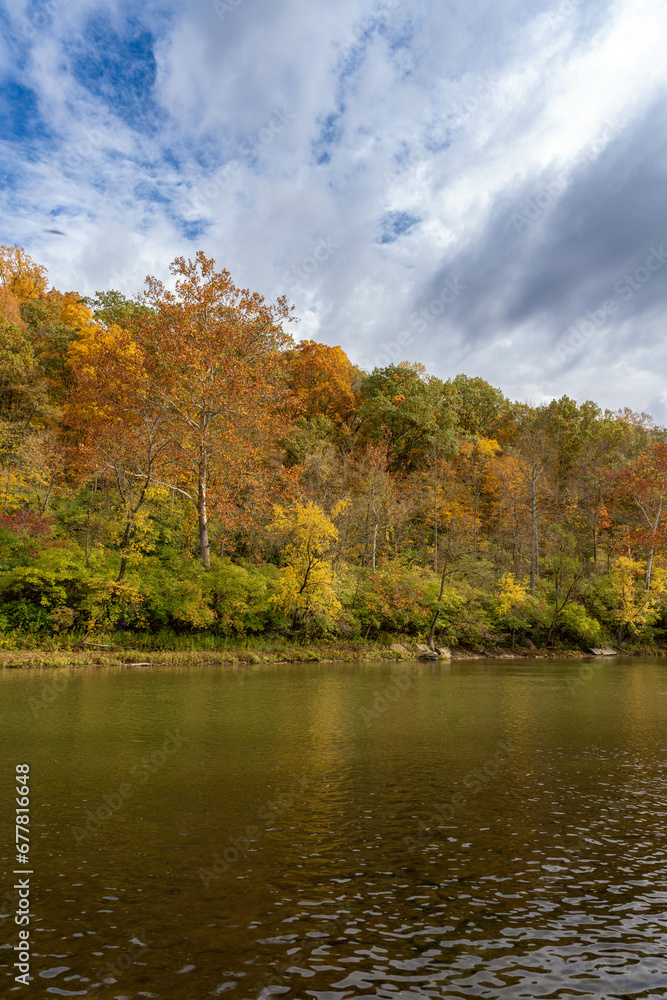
(226, 654)
(269, 652)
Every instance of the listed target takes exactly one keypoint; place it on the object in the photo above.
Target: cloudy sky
(478, 185)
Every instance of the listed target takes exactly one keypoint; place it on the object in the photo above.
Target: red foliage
(26, 522)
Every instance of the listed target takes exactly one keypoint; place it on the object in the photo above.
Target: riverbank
(241, 656)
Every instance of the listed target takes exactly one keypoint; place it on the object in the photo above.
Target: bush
(228, 599)
(34, 595)
(396, 600)
(574, 624)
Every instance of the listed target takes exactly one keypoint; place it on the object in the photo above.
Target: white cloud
(452, 118)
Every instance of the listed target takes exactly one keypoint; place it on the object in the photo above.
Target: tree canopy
(175, 462)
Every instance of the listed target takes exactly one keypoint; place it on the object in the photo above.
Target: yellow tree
(456, 529)
(475, 457)
(307, 587)
(511, 514)
(20, 275)
(512, 600)
(636, 606)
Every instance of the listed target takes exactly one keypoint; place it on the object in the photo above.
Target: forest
(180, 468)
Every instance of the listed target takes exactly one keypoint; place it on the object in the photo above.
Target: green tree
(408, 410)
(478, 408)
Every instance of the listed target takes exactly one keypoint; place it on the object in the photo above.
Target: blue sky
(475, 185)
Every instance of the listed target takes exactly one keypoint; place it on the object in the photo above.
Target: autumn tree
(510, 518)
(215, 353)
(25, 409)
(377, 500)
(454, 538)
(570, 427)
(644, 483)
(116, 411)
(534, 461)
(121, 419)
(322, 380)
(512, 603)
(20, 275)
(474, 459)
(565, 573)
(306, 590)
(637, 606)
(592, 486)
(54, 321)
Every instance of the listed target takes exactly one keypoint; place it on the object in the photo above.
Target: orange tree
(321, 378)
(644, 484)
(215, 353)
(117, 420)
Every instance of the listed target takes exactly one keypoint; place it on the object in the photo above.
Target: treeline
(177, 465)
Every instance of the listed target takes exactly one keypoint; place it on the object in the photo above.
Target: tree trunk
(431, 635)
(9, 473)
(558, 609)
(448, 556)
(93, 491)
(474, 526)
(127, 534)
(649, 563)
(435, 509)
(475, 489)
(649, 567)
(534, 541)
(124, 546)
(202, 515)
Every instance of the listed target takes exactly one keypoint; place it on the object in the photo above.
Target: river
(488, 829)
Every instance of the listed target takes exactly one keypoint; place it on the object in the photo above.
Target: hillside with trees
(178, 468)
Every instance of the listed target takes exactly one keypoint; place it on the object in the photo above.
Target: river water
(480, 829)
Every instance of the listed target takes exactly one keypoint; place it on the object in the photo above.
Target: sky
(478, 186)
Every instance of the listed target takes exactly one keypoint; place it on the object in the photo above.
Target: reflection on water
(335, 831)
